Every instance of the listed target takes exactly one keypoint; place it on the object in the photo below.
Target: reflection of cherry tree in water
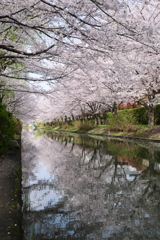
(132, 203)
(29, 153)
(101, 201)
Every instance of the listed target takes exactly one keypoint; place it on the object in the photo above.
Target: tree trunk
(1, 94)
(150, 116)
(114, 109)
(151, 161)
(98, 119)
(65, 119)
(73, 118)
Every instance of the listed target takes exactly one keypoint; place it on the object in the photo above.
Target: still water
(85, 188)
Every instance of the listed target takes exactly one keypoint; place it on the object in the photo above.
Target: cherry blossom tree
(56, 39)
(149, 82)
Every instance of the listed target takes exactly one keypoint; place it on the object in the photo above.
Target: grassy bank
(128, 123)
(142, 131)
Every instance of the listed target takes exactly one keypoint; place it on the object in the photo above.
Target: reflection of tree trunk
(105, 168)
(151, 161)
(150, 173)
(115, 169)
(65, 141)
(83, 155)
(72, 147)
(93, 158)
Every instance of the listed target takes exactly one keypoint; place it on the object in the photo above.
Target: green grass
(129, 122)
(142, 131)
(142, 126)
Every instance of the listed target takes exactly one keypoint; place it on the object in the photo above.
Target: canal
(89, 188)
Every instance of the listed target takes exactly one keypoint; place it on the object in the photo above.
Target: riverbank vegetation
(10, 127)
(127, 122)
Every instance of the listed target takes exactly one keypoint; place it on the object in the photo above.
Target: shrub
(157, 114)
(123, 122)
(62, 125)
(77, 124)
(86, 126)
(18, 126)
(7, 128)
(141, 115)
(83, 126)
